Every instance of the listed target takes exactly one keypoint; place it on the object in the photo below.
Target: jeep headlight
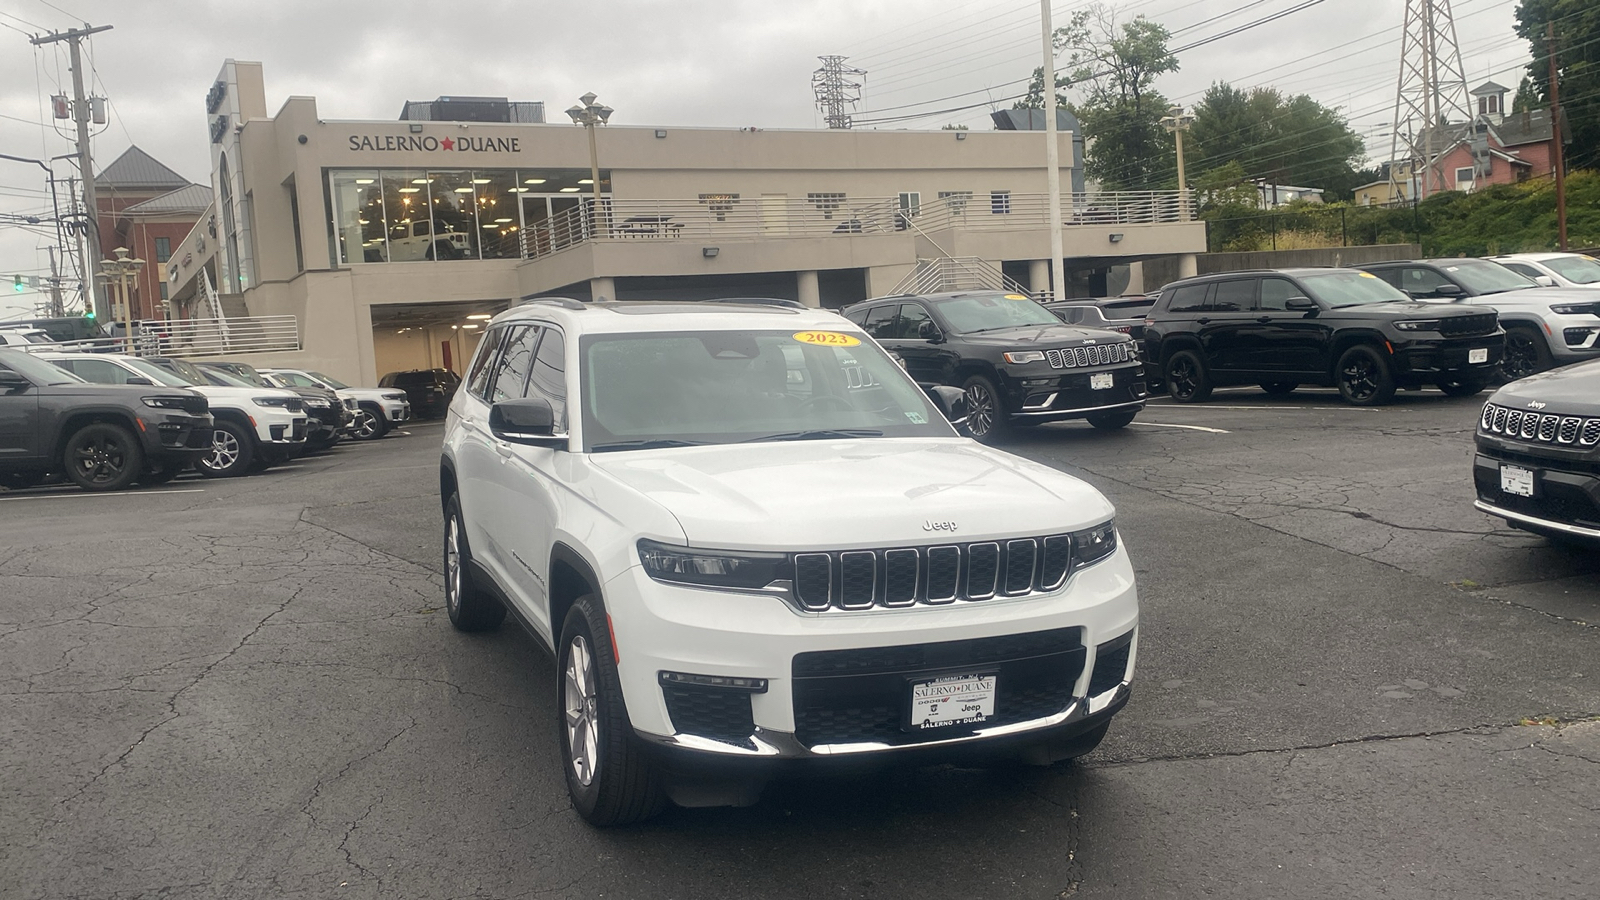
(1575, 309)
(1091, 545)
(278, 402)
(711, 568)
(1018, 357)
(165, 402)
(1418, 325)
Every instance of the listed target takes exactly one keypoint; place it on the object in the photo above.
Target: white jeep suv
(752, 542)
(373, 410)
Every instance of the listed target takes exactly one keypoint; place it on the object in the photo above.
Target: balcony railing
(197, 337)
(730, 218)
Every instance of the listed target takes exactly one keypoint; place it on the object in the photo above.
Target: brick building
(149, 209)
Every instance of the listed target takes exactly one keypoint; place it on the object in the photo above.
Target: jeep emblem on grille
(1536, 404)
(935, 525)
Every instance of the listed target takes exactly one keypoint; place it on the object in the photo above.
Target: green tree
(1577, 29)
(1114, 65)
(1526, 99)
(1284, 139)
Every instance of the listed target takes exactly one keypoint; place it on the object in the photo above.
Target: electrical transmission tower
(835, 91)
(1432, 94)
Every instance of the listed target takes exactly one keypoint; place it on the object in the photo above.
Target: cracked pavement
(250, 691)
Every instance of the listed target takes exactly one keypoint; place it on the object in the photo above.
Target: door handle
(1264, 319)
(503, 449)
(1203, 321)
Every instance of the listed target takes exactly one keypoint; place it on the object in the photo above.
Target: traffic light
(89, 315)
(17, 284)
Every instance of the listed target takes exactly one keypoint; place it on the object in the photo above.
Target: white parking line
(1185, 427)
(56, 494)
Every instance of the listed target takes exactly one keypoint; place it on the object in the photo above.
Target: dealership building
(387, 243)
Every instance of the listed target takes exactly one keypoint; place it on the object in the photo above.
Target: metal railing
(196, 337)
(725, 217)
(956, 273)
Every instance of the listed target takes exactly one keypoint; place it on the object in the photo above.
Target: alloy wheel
(366, 424)
(1360, 378)
(1182, 378)
(452, 564)
(1521, 358)
(980, 410)
(579, 699)
(224, 451)
(101, 459)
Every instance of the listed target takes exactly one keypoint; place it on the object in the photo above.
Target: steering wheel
(816, 399)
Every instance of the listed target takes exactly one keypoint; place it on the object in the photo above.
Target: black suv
(1017, 362)
(429, 390)
(103, 437)
(1331, 327)
(1538, 460)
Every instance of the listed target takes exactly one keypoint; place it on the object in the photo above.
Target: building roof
(1526, 128)
(192, 198)
(138, 169)
(1489, 87)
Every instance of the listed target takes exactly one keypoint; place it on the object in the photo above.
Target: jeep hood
(876, 492)
(1041, 336)
(1572, 390)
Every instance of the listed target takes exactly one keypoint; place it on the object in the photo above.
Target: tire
(470, 608)
(1364, 377)
(611, 779)
(1186, 377)
(986, 412)
(102, 457)
(1525, 354)
(232, 451)
(1111, 421)
(368, 425)
(1279, 388)
(1461, 387)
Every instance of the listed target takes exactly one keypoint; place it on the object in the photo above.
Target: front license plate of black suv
(1516, 480)
(952, 700)
(1480, 355)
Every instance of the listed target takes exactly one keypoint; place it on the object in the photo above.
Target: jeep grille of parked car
(1092, 355)
(910, 576)
(1546, 428)
(1466, 326)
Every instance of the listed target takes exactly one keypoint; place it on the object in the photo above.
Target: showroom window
(424, 215)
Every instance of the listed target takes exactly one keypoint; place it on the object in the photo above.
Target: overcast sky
(657, 62)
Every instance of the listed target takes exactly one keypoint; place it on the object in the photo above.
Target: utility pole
(56, 308)
(1432, 88)
(1052, 154)
(1555, 137)
(81, 114)
(834, 92)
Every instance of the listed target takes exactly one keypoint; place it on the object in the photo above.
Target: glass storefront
(421, 215)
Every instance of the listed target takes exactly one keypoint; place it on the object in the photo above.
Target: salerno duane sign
(429, 143)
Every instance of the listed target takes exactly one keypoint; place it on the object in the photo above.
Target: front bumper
(1573, 338)
(1426, 359)
(397, 411)
(1050, 395)
(803, 713)
(176, 438)
(1566, 486)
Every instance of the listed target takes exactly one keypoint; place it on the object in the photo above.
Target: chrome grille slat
(1500, 413)
(813, 580)
(1022, 559)
(858, 579)
(1548, 425)
(900, 581)
(944, 574)
(1568, 431)
(1546, 428)
(1591, 433)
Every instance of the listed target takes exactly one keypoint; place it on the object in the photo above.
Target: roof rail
(760, 301)
(563, 302)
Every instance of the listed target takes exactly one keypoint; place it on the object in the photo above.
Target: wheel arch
(1343, 342)
(571, 576)
(78, 419)
(447, 481)
(1171, 344)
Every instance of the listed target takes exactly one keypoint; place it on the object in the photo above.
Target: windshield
(1481, 276)
(972, 313)
(1576, 269)
(159, 375)
(334, 383)
(37, 371)
(228, 379)
(295, 379)
(1338, 289)
(245, 374)
(724, 387)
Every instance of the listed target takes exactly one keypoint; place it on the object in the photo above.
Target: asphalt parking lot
(1350, 684)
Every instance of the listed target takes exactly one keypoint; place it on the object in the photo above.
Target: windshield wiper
(651, 444)
(818, 435)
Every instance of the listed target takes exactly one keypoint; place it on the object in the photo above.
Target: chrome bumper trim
(1564, 528)
(1075, 412)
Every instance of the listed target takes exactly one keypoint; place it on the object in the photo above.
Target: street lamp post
(123, 269)
(1177, 121)
(589, 115)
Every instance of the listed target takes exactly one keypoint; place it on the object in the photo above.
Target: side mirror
(952, 401)
(139, 379)
(528, 421)
(1300, 304)
(1447, 290)
(13, 381)
(928, 331)
(1544, 281)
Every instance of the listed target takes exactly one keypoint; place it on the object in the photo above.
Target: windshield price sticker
(1015, 297)
(827, 339)
(952, 700)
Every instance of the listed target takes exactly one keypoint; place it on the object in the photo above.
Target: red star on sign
(448, 144)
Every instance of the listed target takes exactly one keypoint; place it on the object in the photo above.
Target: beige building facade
(391, 241)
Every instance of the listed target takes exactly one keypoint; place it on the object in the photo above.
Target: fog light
(754, 685)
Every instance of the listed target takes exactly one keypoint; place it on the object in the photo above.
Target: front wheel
(1186, 378)
(368, 425)
(609, 777)
(1525, 354)
(1364, 377)
(232, 451)
(103, 457)
(1111, 421)
(986, 414)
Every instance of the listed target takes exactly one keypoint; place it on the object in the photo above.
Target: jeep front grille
(1545, 428)
(931, 576)
(1467, 326)
(1091, 355)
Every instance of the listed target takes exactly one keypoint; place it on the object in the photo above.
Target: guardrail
(197, 337)
(729, 217)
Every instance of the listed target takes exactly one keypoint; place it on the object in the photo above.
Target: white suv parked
(1563, 270)
(255, 427)
(373, 410)
(753, 542)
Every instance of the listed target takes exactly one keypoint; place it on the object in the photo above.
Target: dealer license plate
(1480, 355)
(1516, 480)
(952, 700)
(1100, 381)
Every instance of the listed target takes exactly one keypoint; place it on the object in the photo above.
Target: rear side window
(511, 372)
(1189, 298)
(1235, 296)
(549, 376)
(880, 322)
(482, 364)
